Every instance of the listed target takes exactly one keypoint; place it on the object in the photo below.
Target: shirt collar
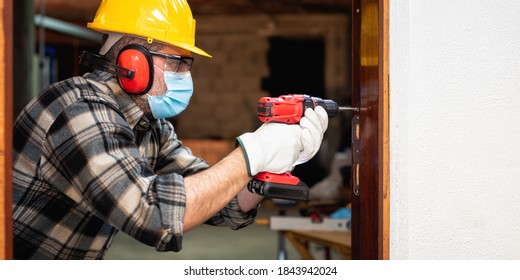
(133, 114)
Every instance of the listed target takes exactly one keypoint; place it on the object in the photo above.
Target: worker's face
(159, 86)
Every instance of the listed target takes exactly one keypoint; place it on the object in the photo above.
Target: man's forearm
(209, 191)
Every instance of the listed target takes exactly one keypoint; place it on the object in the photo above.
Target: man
(94, 155)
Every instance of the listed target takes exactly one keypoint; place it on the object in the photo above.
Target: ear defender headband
(133, 68)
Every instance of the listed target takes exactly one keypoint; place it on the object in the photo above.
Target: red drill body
(291, 108)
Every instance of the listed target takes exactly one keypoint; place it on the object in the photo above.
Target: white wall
(455, 129)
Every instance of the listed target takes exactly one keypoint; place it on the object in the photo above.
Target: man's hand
(314, 124)
(274, 147)
(277, 147)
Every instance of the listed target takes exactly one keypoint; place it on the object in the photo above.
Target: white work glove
(277, 147)
(314, 124)
(274, 147)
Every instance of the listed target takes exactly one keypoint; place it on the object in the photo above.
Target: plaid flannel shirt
(87, 163)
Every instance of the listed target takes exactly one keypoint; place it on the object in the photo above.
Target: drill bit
(348, 108)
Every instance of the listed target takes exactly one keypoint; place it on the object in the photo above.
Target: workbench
(300, 239)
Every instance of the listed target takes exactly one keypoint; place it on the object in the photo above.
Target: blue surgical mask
(176, 98)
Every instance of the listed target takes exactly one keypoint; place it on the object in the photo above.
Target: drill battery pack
(282, 186)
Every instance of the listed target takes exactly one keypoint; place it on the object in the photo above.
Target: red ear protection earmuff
(133, 68)
(138, 59)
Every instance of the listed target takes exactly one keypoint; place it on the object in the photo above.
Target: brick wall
(227, 87)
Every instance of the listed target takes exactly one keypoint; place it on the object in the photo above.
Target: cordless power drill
(287, 109)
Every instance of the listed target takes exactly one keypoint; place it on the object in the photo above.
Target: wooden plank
(306, 223)
(5, 129)
(339, 238)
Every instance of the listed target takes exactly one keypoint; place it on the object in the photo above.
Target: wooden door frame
(6, 120)
(371, 215)
(370, 207)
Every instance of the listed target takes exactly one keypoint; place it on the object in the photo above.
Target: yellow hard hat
(168, 21)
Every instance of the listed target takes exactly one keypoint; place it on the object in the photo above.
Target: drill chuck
(330, 106)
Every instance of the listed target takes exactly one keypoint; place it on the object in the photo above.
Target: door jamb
(371, 207)
(6, 120)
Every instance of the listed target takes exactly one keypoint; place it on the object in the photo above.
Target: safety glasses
(180, 65)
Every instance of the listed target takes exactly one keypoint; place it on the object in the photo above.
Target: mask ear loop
(158, 69)
(163, 77)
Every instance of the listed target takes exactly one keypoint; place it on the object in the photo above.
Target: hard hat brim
(191, 48)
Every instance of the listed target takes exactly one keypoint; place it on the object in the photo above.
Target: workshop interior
(285, 53)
